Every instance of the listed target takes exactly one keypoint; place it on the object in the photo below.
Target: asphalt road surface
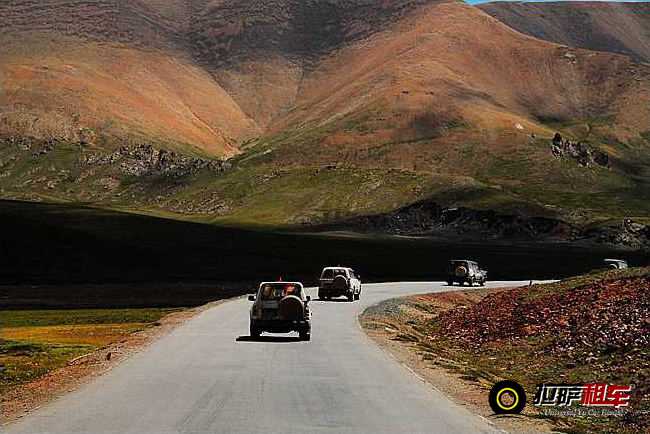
(207, 377)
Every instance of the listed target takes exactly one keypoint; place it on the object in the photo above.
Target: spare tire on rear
(340, 283)
(291, 308)
(461, 271)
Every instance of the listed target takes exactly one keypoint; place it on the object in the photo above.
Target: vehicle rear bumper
(466, 278)
(280, 326)
(457, 278)
(333, 292)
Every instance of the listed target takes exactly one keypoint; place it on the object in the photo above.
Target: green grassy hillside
(263, 188)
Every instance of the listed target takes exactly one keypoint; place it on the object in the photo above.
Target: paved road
(201, 379)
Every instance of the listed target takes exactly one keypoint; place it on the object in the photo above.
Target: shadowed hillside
(617, 27)
(145, 259)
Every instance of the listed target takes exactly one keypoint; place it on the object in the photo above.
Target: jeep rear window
(331, 273)
(276, 291)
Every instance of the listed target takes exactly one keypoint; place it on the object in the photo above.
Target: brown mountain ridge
(617, 27)
(404, 101)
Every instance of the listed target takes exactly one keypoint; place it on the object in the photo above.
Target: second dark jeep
(337, 282)
(465, 271)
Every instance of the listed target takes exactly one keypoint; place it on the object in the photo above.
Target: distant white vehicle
(616, 264)
(338, 282)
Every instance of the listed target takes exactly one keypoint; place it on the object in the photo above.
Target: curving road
(202, 379)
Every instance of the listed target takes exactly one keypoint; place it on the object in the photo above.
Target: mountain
(156, 70)
(106, 70)
(617, 27)
(326, 110)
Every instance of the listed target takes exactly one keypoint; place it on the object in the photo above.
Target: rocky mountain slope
(617, 27)
(326, 109)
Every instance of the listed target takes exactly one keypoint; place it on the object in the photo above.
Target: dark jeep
(465, 271)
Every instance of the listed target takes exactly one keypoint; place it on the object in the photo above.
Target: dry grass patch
(96, 335)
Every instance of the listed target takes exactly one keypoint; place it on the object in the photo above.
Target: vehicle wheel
(357, 296)
(351, 296)
(450, 283)
(255, 332)
(471, 282)
(482, 282)
(304, 335)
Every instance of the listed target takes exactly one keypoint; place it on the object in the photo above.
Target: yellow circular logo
(507, 397)
(515, 398)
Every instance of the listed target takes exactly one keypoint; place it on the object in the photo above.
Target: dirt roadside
(23, 399)
(390, 323)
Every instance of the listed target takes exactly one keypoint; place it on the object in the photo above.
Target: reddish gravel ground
(604, 318)
(592, 328)
(582, 330)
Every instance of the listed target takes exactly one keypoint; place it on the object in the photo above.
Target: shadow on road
(270, 339)
(508, 416)
(333, 300)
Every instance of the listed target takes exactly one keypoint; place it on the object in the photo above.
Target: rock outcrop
(430, 219)
(584, 154)
(132, 160)
(628, 233)
(144, 160)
